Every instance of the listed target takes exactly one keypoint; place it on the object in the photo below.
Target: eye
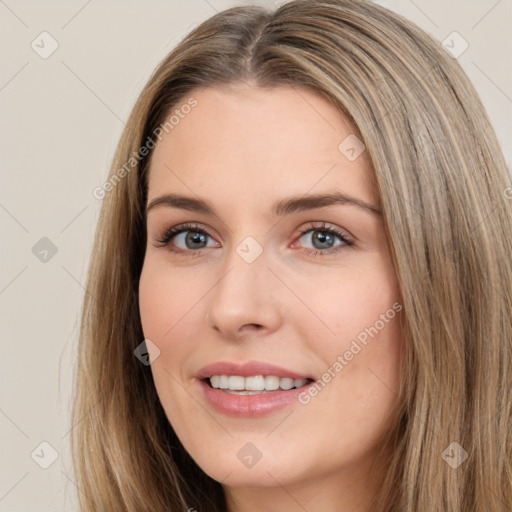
(186, 237)
(323, 239)
(191, 239)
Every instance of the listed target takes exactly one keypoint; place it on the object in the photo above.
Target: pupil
(323, 238)
(194, 237)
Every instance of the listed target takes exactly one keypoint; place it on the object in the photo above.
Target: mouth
(251, 389)
(254, 384)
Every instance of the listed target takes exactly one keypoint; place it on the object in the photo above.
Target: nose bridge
(245, 274)
(244, 292)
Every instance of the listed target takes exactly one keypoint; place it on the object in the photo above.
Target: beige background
(60, 120)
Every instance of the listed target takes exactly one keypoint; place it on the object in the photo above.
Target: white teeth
(251, 385)
(236, 383)
(286, 383)
(271, 382)
(256, 383)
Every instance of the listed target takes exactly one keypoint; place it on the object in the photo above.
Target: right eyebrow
(183, 202)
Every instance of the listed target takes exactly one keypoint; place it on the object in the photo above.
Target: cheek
(165, 299)
(356, 394)
(357, 303)
(362, 357)
(166, 305)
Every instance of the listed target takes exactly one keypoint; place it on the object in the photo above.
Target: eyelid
(321, 224)
(171, 233)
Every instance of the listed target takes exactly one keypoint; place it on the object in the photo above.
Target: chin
(234, 474)
(243, 467)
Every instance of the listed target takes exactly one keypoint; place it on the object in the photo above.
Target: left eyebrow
(310, 202)
(283, 207)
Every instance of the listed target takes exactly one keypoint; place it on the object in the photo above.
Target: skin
(242, 149)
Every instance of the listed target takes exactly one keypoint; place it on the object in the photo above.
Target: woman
(300, 290)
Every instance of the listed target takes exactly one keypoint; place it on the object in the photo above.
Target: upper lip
(248, 369)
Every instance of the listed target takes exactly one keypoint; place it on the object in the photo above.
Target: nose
(244, 300)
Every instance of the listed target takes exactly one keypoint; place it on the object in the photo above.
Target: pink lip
(248, 406)
(248, 369)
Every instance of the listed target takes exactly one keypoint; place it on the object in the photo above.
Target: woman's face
(272, 285)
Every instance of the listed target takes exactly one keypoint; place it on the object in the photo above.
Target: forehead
(258, 143)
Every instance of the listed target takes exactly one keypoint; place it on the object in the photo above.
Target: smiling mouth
(255, 384)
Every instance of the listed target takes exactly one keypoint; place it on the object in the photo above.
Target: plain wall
(61, 118)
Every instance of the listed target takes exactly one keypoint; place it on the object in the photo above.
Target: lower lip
(249, 406)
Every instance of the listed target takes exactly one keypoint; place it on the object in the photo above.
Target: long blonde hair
(443, 185)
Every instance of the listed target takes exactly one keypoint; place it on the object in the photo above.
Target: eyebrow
(283, 207)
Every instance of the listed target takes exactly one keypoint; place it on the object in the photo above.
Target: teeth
(256, 383)
(287, 383)
(251, 385)
(236, 383)
(271, 383)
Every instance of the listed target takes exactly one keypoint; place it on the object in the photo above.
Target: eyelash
(176, 230)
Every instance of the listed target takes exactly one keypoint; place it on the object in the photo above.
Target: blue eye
(193, 239)
(323, 239)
